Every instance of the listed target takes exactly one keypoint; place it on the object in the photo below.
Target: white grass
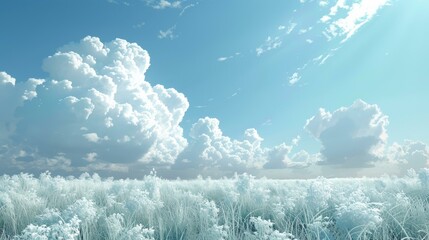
(50, 207)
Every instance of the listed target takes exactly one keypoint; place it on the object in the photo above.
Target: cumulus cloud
(96, 106)
(352, 136)
(209, 149)
(278, 157)
(411, 154)
(358, 13)
(13, 95)
(294, 78)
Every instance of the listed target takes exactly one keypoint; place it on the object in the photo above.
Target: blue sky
(248, 80)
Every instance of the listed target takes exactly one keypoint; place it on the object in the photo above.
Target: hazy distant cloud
(268, 45)
(119, 2)
(95, 107)
(351, 136)
(305, 30)
(358, 13)
(304, 159)
(278, 157)
(12, 96)
(411, 154)
(169, 33)
(139, 25)
(267, 122)
(209, 148)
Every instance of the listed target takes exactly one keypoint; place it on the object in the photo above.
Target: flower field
(88, 207)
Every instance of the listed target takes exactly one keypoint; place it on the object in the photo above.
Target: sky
(281, 89)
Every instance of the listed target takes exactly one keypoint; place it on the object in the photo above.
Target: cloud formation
(269, 44)
(411, 154)
(209, 149)
(96, 106)
(162, 4)
(294, 78)
(356, 15)
(352, 136)
(169, 33)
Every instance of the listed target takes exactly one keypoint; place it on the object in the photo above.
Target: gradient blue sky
(263, 65)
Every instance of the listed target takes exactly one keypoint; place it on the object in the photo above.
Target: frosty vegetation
(243, 207)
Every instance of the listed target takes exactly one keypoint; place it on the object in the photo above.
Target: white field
(243, 207)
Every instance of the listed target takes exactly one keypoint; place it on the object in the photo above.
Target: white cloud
(340, 4)
(356, 15)
(268, 45)
(321, 59)
(169, 33)
(305, 159)
(296, 140)
(351, 136)
(281, 27)
(294, 78)
(412, 154)
(92, 137)
(12, 96)
(323, 3)
(210, 149)
(6, 79)
(91, 157)
(222, 59)
(291, 27)
(325, 18)
(162, 4)
(186, 8)
(95, 106)
(278, 157)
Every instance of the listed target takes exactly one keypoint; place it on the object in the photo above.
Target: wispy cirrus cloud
(223, 59)
(162, 4)
(169, 33)
(269, 44)
(339, 21)
(356, 14)
(184, 9)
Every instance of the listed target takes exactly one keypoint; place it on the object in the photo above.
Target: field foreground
(243, 207)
